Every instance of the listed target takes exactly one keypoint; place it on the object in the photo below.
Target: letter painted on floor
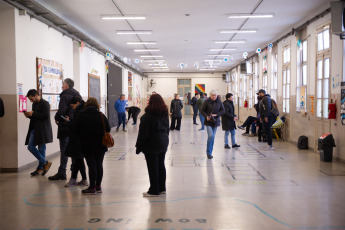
(115, 220)
(203, 221)
(163, 220)
(184, 220)
(94, 220)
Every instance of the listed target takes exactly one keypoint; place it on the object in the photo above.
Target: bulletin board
(130, 86)
(95, 87)
(49, 81)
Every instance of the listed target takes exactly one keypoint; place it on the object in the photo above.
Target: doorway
(184, 90)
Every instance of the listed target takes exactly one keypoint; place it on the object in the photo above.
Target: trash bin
(325, 145)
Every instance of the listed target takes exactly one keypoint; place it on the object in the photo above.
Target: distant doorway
(184, 90)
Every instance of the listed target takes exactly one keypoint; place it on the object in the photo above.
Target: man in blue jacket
(120, 107)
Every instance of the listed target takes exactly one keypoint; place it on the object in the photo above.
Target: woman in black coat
(153, 141)
(228, 121)
(212, 109)
(90, 129)
(175, 112)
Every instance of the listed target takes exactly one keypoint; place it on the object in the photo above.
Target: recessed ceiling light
(230, 49)
(123, 17)
(250, 15)
(151, 56)
(206, 69)
(134, 32)
(238, 31)
(147, 50)
(230, 42)
(218, 55)
(141, 43)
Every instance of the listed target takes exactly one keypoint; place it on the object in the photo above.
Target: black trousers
(173, 121)
(195, 110)
(249, 121)
(135, 117)
(157, 172)
(78, 165)
(95, 164)
(267, 129)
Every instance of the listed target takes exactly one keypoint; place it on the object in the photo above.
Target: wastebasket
(325, 145)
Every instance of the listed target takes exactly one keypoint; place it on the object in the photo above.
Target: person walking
(40, 131)
(212, 109)
(153, 141)
(266, 117)
(193, 103)
(134, 111)
(73, 149)
(229, 121)
(175, 112)
(63, 112)
(199, 105)
(120, 107)
(89, 127)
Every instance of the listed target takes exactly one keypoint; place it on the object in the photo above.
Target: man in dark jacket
(65, 111)
(40, 131)
(193, 103)
(212, 109)
(134, 111)
(228, 121)
(266, 117)
(175, 112)
(199, 105)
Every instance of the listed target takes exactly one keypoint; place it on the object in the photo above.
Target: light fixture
(133, 32)
(147, 50)
(151, 56)
(153, 60)
(231, 42)
(141, 43)
(206, 69)
(238, 31)
(157, 64)
(122, 17)
(250, 15)
(230, 49)
(160, 67)
(212, 60)
(161, 70)
(218, 55)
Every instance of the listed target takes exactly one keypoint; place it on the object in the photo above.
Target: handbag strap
(102, 121)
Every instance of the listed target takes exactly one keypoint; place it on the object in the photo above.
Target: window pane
(276, 80)
(325, 88)
(284, 77)
(299, 81)
(287, 105)
(318, 108)
(319, 41)
(288, 76)
(305, 51)
(288, 55)
(298, 98)
(304, 73)
(326, 68)
(284, 91)
(325, 108)
(284, 103)
(326, 39)
(319, 69)
(319, 89)
(287, 91)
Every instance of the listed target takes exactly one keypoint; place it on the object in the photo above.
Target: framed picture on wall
(94, 87)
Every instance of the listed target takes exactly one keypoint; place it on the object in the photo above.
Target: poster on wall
(199, 88)
(130, 86)
(342, 106)
(95, 87)
(138, 101)
(302, 104)
(49, 81)
(22, 103)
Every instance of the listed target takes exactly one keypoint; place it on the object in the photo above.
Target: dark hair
(69, 82)
(205, 94)
(76, 99)
(32, 93)
(228, 95)
(157, 105)
(197, 94)
(201, 94)
(92, 102)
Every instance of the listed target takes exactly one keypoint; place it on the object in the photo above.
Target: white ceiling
(181, 38)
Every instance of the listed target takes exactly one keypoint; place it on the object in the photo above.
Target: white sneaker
(71, 183)
(271, 147)
(145, 194)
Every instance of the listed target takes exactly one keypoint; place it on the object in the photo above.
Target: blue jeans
(122, 119)
(39, 153)
(63, 158)
(202, 119)
(254, 127)
(211, 133)
(233, 141)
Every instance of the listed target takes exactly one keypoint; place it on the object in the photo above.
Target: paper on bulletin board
(342, 106)
(23, 102)
(302, 105)
(20, 88)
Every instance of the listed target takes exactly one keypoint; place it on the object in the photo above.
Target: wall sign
(199, 88)
(23, 103)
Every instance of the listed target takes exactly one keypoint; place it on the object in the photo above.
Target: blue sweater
(120, 106)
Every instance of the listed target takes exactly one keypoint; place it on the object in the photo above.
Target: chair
(279, 128)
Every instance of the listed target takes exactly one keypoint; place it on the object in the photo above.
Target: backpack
(274, 107)
(302, 142)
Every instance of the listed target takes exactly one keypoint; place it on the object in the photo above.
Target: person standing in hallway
(40, 131)
(61, 115)
(175, 112)
(199, 105)
(195, 107)
(266, 117)
(90, 130)
(212, 109)
(120, 107)
(153, 141)
(229, 121)
(134, 111)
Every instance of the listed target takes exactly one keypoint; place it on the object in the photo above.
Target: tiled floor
(244, 189)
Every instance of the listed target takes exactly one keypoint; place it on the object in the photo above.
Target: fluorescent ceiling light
(206, 69)
(141, 43)
(230, 49)
(251, 15)
(238, 31)
(153, 56)
(157, 64)
(160, 67)
(213, 60)
(123, 17)
(161, 70)
(153, 60)
(134, 32)
(230, 42)
(218, 55)
(147, 50)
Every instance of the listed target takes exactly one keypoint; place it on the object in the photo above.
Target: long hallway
(244, 189)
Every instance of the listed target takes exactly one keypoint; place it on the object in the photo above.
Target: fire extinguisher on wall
(245, 104)
(332, 110)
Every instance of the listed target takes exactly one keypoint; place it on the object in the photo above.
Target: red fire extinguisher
(332, 110)
(245, 104)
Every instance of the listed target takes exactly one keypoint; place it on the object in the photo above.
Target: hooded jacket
(265, 106)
